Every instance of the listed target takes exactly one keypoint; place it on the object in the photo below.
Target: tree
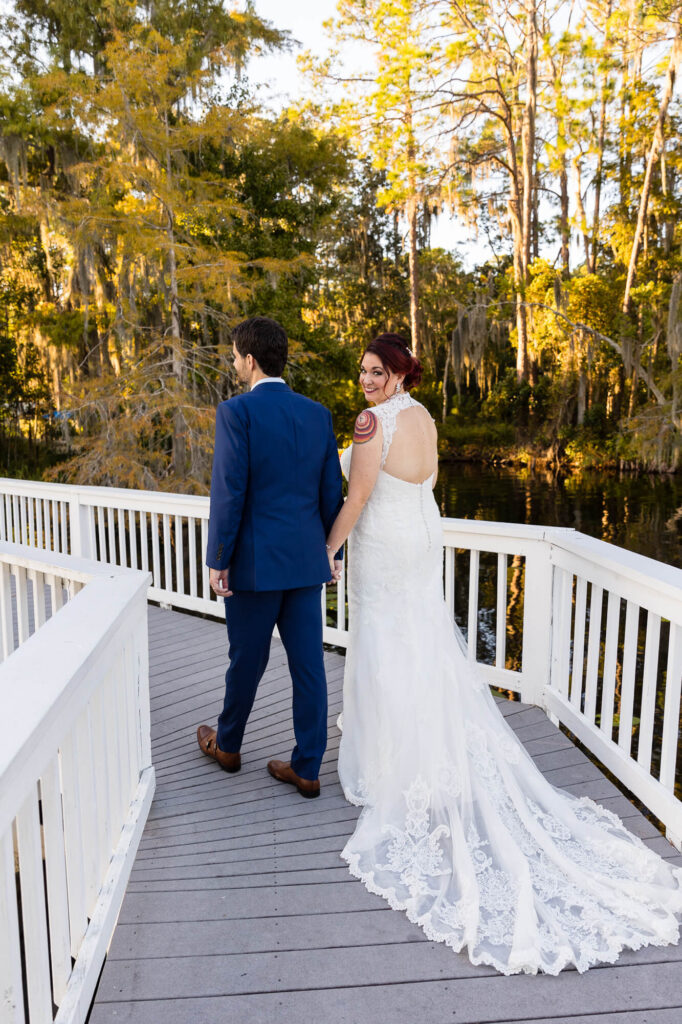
(393, 113)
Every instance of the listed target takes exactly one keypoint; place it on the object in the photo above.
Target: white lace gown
(459, 828)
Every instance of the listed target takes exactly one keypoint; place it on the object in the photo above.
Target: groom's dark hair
(265, 340)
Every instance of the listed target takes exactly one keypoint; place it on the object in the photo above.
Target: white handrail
(586, 630)
(76, 780)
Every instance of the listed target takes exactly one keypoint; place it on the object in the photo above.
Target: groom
(275, 492)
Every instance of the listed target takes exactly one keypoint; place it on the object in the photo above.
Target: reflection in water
(641, 513)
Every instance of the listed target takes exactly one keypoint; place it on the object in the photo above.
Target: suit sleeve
(228, 485)
(331, 484)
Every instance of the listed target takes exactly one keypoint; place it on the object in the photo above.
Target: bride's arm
(364, 470)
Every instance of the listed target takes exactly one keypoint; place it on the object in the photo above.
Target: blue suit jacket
(275, 491)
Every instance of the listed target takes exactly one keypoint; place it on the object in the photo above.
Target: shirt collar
(268, 380)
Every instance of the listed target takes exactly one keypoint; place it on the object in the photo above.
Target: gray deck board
(239, 906)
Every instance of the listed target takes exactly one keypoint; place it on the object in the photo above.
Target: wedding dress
(459, 828)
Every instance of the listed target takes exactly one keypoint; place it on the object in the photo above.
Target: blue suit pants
(251, 617)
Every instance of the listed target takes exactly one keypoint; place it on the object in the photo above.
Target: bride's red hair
(394, 352)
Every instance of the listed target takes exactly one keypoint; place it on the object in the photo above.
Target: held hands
(219, 584)
(335, 566)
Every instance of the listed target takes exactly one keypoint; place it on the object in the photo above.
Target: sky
(303, 19)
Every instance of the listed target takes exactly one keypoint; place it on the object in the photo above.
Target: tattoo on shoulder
(366, 426)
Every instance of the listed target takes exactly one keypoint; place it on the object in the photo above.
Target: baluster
(58, 594)
(3, 518)
(40, 540)
(74, 839)
(450, 579)
(578, 641)
(323, 603)
(627, 690)
(22, 604)
(501, 612)
(472, 628)
(139, 668)
(55, 868)
(111, 537)
(167, 570)
(66, 547)
(610, 661)
(206, 591)
(144, 551)
(101, 536)
(122, 549)
(11, 983)
(341, 596)
(127, 724)
(16, 528)
(593, 644)
(671, 707)
(88, 808)
(131, 684)
(33, 915)
(23, 520)
(192, 542)
(31, 525)
(649, 681)
(114, 752)
(101, 766)
(47, 525)
(56, 545)
(6, 617)
(179, 557)
(561, 630)
(9, 521)
(155, 550)
(38, 587)
(132, 533)
(90, 528)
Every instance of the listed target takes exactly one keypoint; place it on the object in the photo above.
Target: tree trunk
(654, 150)
(580, 207)
(668, 225)
(178, 363)
(599, 172)
(522, 243)
(412, 207)
(445, 385)
(564, 226)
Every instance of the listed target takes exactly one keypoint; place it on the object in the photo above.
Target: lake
(639, 512)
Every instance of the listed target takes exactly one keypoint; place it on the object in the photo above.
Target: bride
(459, 828)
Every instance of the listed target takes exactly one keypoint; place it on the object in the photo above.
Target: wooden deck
(240, 909)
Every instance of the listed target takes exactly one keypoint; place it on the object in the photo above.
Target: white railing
(76, 780)
(587, 631)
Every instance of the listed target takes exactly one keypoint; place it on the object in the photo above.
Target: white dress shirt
(268, 380)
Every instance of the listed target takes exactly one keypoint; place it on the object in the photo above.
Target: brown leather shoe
(283, 772)
(208, 743)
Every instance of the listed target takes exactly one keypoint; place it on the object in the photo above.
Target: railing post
(537, 624)
(80, 534)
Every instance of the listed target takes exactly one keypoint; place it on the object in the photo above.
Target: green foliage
(148, 202)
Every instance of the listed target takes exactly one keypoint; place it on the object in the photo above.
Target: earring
(398, 387)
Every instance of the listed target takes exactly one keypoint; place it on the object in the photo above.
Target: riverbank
(501, 444)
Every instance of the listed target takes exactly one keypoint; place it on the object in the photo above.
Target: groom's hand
(219, 584)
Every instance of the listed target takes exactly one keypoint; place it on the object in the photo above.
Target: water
(641, 513)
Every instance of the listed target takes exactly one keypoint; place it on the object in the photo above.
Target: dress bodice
(387, 414)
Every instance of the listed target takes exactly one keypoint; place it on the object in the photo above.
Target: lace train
(459, 828)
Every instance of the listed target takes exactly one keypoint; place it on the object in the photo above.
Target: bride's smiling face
(376, 381)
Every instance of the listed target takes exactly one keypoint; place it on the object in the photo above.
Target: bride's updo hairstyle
(395, 354)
